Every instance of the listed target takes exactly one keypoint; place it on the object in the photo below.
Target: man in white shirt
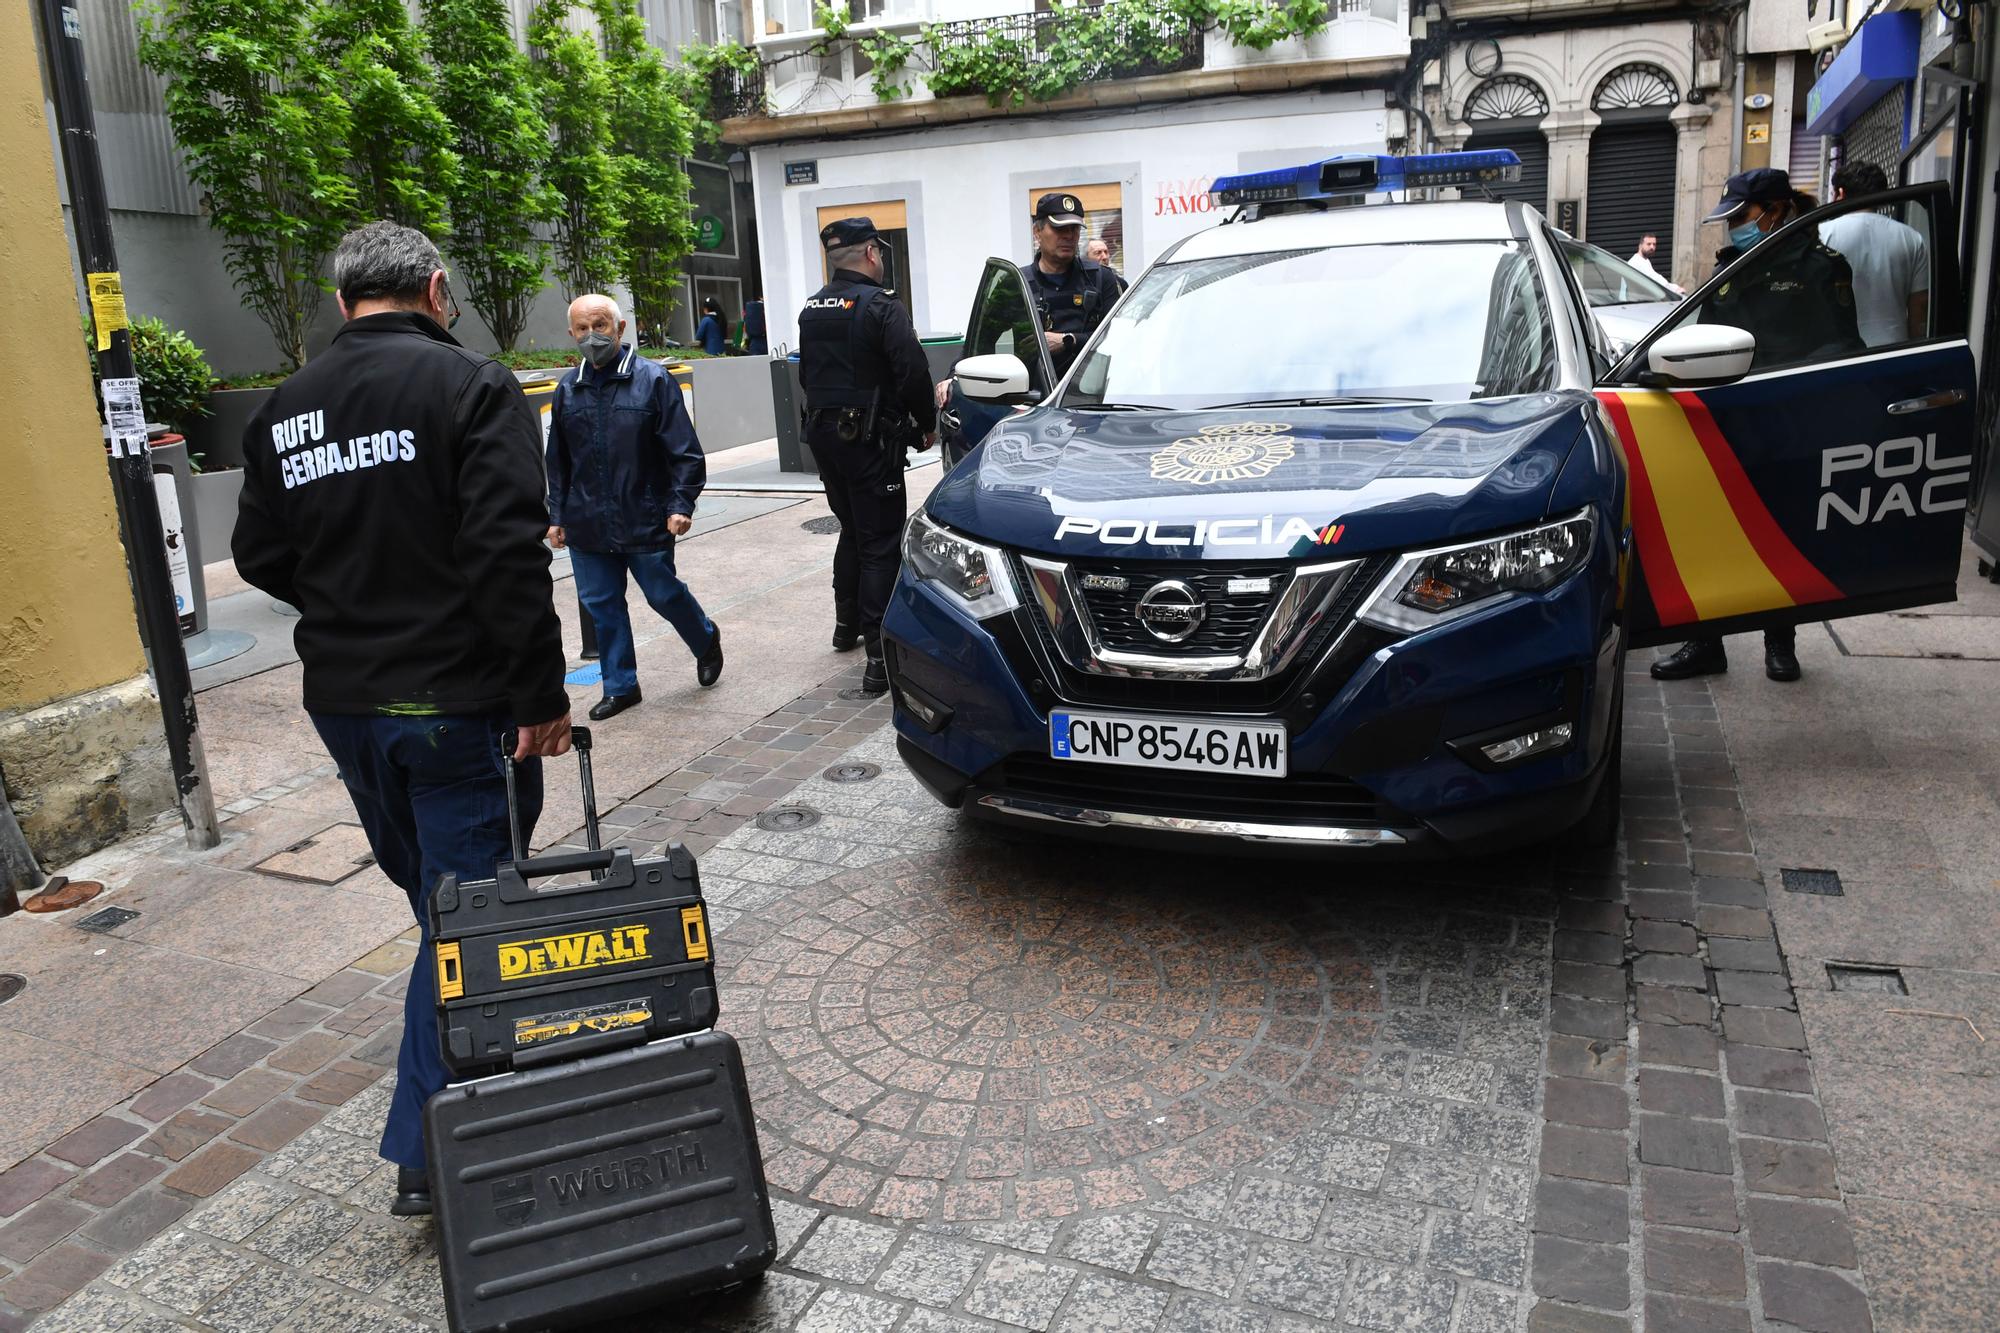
(1642, 258)
(1891, 261)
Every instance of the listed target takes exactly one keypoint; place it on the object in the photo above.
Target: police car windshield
(1446, 320)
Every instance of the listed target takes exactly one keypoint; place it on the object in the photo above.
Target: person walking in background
(1642, 259)
(1099, 252)
(1890, 259)
(713, 331)
(392, 493)
(625, 470)
(756, 334)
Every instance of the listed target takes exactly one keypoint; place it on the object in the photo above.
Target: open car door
(1788, 469)
(1004, 321)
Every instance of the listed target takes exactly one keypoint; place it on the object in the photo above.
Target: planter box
(732, 401)
(218, 437)
(214, 516)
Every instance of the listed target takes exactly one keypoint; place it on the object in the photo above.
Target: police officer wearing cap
(1073, 293)
(1799, 305)
(868, 398)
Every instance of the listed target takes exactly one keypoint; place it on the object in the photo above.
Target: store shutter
(1804, 164)
(1533, 187)
(1632, 187)
(1877, 135)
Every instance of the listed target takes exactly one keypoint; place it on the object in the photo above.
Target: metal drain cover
(826, 526)
(852, 773)
(1825, 883)
(103, 923)
(1862, 977)
(857, 695)
(788, 819)
(11, 984)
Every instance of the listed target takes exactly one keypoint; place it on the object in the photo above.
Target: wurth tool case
(599, 1187)
(529, 977)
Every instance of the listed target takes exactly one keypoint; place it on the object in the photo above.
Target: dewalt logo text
(573, 953)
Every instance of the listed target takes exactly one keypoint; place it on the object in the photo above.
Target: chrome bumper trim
(1085, 816)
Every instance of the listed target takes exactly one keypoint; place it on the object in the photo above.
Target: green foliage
(576, 96)
(496, 198)
(1257, 24)
(561, 358)
(263, 129)
(889, 55)
(399, 140)
(830, 19)
(652, 130)
(174, 378)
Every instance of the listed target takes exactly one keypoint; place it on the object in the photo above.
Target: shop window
(892, 220)
(1103, 215)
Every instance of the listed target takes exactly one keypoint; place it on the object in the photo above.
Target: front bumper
(1383, 730)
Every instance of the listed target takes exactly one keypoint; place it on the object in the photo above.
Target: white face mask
(600, 348)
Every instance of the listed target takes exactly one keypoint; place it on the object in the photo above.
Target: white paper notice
(125, 414)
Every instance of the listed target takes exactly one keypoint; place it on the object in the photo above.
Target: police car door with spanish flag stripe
(1830, 475)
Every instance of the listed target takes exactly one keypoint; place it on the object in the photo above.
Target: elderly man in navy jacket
(625, 470)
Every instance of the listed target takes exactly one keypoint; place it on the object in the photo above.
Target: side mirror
(1702, 354)
(999, 378)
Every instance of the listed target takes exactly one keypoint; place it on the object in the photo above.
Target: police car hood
(1262, 483)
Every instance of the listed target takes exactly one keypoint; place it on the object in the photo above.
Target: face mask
(601, 348)
(1744, 235)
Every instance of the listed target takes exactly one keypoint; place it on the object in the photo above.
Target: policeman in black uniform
(1799, 305)
(868, 398)
(1073, 293)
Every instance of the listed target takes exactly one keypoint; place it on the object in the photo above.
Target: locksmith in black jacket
(868, 397)
(392, 491)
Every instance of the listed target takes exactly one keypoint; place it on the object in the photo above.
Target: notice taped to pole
(125, 414)
(107, 306)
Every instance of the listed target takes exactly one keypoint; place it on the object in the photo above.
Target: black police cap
(845, 232)
(1059, 209)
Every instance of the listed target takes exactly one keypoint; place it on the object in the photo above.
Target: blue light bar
(1368, 174)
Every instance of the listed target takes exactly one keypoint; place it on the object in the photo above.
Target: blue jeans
(600, 586)
(432, 796)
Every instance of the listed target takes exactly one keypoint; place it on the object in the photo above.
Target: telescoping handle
(579, 739)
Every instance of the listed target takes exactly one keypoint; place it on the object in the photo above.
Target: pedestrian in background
(868, 396)
(1099, 252)
(756, 333)
(625, 470)
(1074, 293)
(713, 331)
(1642, 259)
(1891, 261)
(392, 493)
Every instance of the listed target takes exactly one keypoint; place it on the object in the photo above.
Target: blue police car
(1337, 532)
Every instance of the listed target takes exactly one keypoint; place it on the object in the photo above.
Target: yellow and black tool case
(530, 976)
(599, 1187)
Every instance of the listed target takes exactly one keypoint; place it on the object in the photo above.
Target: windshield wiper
(1118, 407)
(1333, 400)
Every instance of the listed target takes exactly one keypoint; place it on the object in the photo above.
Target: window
(1609, 280)
(892, 219)
(1439, 321)
(1004, 325)
(1103, 215)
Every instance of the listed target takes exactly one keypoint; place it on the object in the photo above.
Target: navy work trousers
(600, 586)
(431, 793)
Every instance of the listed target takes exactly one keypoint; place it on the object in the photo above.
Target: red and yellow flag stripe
(1707, 542)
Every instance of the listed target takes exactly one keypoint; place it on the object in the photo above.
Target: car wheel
(1598, 828)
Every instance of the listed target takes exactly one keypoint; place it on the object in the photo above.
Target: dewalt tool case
(529, 976)
(586, 1190)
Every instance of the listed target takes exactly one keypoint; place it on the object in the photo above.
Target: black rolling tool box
(530, 977)
(607, 1185)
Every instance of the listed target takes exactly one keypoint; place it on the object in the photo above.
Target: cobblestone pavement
(1006, 1081)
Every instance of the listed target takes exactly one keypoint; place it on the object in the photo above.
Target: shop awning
(1881, 54)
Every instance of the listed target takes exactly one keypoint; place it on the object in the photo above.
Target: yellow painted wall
(66, 618)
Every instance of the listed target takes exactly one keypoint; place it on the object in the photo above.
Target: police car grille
(1230, 622)
(1301, 798)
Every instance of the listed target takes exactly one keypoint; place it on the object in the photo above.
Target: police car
(1337, 533)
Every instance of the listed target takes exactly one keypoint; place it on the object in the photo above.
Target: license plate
(1194, 744)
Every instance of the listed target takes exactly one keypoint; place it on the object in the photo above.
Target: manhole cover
(11, 984)
(103, 923)
(1861, 977)
(63, 894)
(1825, 883)
(327, 857)
(788, 819)
(822, 527)
(852, 773)
(858, 695)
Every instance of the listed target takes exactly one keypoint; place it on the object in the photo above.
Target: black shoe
(1697, 657)
(846, 638)
(875, 677)
(708, 667)
(1781, 663)
(413, 1193)
(611, 705)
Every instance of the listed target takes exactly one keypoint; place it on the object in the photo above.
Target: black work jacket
(622, 456)
(1074, 302)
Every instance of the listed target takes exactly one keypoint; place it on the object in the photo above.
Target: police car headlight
(1429, 588)
(969, 573)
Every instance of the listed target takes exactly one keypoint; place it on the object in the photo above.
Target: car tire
(1598, 829)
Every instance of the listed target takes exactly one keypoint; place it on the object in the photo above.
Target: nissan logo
(1171, 611)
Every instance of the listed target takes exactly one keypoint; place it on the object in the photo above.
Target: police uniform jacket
(855, 339)
(392, 492)
(1075, 303)
(622, 456)
(1798, 309)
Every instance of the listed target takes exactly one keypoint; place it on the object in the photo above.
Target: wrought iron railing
(1134, 46)
(733, 92)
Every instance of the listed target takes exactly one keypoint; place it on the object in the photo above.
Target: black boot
(846, 638)
(1781, 662)
(708, 667)
(413, 1193)
(1696, 657)
(875, 677)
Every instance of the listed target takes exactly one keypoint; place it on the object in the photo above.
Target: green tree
(497, 198)
(652, 131)
(575, 92)
(263, 130)
(399, 141)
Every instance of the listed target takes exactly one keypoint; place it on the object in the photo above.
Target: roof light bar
(1368, 174)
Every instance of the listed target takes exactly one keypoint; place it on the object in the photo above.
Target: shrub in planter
(174, 378)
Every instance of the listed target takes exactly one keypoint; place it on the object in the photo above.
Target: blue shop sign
(1881, 54)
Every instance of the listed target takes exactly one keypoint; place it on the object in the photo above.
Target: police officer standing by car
(1074, 294)
(868, 399)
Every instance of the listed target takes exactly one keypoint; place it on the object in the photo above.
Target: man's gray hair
(384, 261)
(847, 256)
